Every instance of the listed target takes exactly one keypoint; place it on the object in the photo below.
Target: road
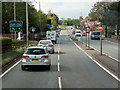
(110, 48)
(71, 68)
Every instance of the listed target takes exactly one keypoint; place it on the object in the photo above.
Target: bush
(17, 44)
(6, 43)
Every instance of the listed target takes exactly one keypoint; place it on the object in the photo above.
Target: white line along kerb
(9, 69)
(99, 64)
(59, 83)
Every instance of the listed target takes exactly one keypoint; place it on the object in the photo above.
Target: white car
(35, 57)
(77, 33)
(48, 44)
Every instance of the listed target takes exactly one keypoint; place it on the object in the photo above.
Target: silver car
(48, 44)
(35, 57)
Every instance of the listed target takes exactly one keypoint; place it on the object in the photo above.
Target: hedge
(6, 43)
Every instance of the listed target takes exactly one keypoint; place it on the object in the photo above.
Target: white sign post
(100, 28)
(88, 29)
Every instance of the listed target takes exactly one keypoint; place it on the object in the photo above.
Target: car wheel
(49, 67)
(53, 52)
(55, 42)
(22, 67)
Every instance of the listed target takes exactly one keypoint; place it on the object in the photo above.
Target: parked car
(95, 35)
(48, 44)
(77, 33)
(35, 57)
(51, 35)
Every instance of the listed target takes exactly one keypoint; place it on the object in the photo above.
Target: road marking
(9, 69)
(59, 83)
(58, 57)
(111, 41)
(58, 67)
(98, 64)
(106, 54)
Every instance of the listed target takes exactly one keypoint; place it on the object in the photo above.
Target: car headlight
(45, 60)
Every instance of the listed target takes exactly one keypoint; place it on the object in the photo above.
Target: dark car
(95, 35)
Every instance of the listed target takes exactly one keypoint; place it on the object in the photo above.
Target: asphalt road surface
(71, 68)
(109, 48)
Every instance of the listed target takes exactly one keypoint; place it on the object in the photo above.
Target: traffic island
(107, 62)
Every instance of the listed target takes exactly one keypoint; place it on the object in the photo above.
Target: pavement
(71, 68)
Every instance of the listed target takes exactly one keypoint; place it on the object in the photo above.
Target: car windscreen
(35, 51)
(45, 42)
(96, 33)
(77, 31)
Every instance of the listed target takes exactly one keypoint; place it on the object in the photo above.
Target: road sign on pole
(100, 28)
(88, 29)
(16, 26)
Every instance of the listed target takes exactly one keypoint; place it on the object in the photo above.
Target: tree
(33, 16)
(54, 20)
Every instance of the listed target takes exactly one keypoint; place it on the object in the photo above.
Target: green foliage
(6, 43)
(36, 18)
(105, 12)
(70, 21)
(54, 20)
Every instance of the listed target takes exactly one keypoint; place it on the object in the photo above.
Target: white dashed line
(9, 69)
(59, 83)
(98, 64)
(58, 57)
(58, 67)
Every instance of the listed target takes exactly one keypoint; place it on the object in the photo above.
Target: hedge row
(6, 43)
(9, 44)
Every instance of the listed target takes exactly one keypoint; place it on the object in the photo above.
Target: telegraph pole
(27, 23)
(15, 16)
(39, 17)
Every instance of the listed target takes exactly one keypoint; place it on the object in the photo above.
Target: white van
(51, 35)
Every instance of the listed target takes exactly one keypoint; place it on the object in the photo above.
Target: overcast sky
(66, 8)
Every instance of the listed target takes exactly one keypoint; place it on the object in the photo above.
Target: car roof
(45, 40)
(35, 47)
(96, 31)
